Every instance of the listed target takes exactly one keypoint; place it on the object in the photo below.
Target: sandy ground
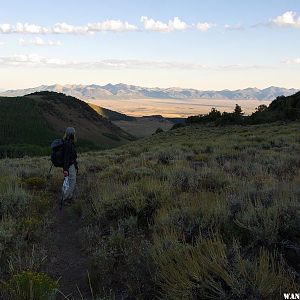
(175, 107)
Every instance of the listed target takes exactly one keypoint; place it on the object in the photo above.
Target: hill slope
(29, 123)
(282, 108)
(111, 114)
(200, 212)
(124, 91)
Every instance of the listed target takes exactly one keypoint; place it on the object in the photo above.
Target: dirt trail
(65, 257)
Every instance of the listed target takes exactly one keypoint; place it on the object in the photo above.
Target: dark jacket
(70, 155)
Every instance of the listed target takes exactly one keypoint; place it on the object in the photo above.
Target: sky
(202, 44)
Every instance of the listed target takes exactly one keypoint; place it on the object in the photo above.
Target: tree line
(282, 108)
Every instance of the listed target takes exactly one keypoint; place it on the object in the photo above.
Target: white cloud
(108, 25)
(111, 25)
(23, 28)
(292, 61)
(149, 24)
(5, 28)
(288, 19)
(177, 24)
(34, 60)
(39, 42)
(234, 27)
(2, 44)
(152, 25)
(65, 28)
(204, 26)
(61, 28)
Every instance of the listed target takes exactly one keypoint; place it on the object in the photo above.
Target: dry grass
(194, 213)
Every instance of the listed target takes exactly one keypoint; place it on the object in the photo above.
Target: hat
(70, 131)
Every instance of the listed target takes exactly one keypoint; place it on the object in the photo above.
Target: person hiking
(70, 167)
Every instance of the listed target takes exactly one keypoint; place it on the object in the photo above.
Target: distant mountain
(124, 91)
(29, 123)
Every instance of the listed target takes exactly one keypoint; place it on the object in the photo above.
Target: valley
(176, 107)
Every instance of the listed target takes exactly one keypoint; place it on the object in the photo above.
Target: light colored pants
(72, 183)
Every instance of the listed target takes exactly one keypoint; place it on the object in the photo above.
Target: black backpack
(57, 152)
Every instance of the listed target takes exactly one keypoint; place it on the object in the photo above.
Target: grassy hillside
(111, 114)
(28, 124)
(23, 128)
(200, 212)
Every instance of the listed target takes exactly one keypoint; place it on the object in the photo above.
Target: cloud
(111, 25)
(23, 28)
(39, 42)
(34, 60)
(152, 25)
(234, 27)
(65, 28)
(61, 28)
(287, 19)
(108, 25)
(2, 44)
(292, 61)
(204, 26)
(149, 24)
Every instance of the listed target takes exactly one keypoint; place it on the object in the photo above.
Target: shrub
(183, 179)
(30, 225)
(31, 286)
(213, 180)
(36, 183)
(165, 157)
(13, 199)
(123, 264)
(158, 130)
(178, 125)
(137, 173)
(212, 270)
(8, 229)
(264, 222)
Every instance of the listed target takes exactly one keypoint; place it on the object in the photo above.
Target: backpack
(57, 152)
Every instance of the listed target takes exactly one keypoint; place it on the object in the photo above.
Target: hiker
(70, 167)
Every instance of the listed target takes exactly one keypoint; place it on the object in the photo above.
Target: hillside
(145, 126)
(282, 108)
(124, 91)
(200, 212)
(29, 123)
(111, 114)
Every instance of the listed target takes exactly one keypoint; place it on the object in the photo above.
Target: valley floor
(176, 107)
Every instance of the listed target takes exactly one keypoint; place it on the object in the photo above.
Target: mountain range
(124, 91)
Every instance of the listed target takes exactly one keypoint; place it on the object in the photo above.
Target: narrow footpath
(66, 260)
